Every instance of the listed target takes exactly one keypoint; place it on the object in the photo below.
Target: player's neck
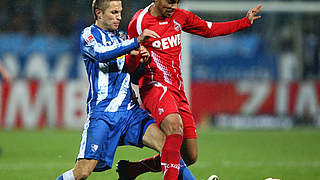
(100, 25)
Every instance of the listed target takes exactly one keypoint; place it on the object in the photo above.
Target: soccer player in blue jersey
(114, 116)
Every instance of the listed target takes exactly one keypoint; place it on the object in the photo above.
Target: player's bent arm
(102, 53)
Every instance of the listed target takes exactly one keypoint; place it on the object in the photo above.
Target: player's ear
(98, 13)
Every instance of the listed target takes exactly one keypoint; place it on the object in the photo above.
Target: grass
(231, 154)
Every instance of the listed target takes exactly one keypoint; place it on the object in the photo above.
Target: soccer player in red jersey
(161, 87)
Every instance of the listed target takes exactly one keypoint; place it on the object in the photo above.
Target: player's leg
(68, 175)
(173, 125)
(184, 172)
(189, 148)
(90, 152)
(157, 99)
(170, 125)
(160, 102)
(150, 135)
(170, 155)
(82, 169)
(154, 138)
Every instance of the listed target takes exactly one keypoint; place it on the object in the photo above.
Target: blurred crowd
(45, 17)
(57, 17)
(296, 36)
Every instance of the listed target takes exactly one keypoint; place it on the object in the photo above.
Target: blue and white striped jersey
(103, 53)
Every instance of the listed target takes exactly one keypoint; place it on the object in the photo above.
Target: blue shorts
(105, 131)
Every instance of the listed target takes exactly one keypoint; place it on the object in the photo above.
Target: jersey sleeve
(132, 28)
(197, 26)
(132, 62)
(92, 46)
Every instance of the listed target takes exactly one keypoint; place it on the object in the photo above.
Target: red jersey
(165, 52)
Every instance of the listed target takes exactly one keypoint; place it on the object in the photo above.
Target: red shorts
(162, 100)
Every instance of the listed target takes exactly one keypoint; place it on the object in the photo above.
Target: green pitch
(231, 154)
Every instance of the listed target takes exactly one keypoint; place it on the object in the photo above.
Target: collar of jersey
(112, 33)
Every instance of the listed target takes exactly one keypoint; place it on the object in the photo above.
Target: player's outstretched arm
(146, 34)
(252, 13)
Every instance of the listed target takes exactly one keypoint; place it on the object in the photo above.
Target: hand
(252, 13)
(134, 52)
(6, 77)
(146, 34)
(145, 55)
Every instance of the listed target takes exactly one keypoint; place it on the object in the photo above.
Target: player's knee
(83, 175)
(175, 128)
(172, 125)
(193, 159)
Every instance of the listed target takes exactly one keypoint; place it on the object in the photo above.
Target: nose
(118, 16)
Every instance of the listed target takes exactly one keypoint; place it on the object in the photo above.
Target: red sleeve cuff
(247, 21)
(132, 62)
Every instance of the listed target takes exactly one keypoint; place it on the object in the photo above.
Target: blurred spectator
(57, 19)
(311, 47)
(20, 16)
(288, 60)
(3, 16)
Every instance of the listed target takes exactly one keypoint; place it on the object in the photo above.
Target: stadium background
(258, 85)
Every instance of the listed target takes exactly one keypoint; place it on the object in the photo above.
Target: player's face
(110, 18)
(167, 7)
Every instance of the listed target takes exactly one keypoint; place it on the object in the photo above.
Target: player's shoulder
(90, 30)
(136, 15)
(90, 34)
(133, 23)
(183, 12)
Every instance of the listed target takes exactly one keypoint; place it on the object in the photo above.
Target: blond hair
(100, 4)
